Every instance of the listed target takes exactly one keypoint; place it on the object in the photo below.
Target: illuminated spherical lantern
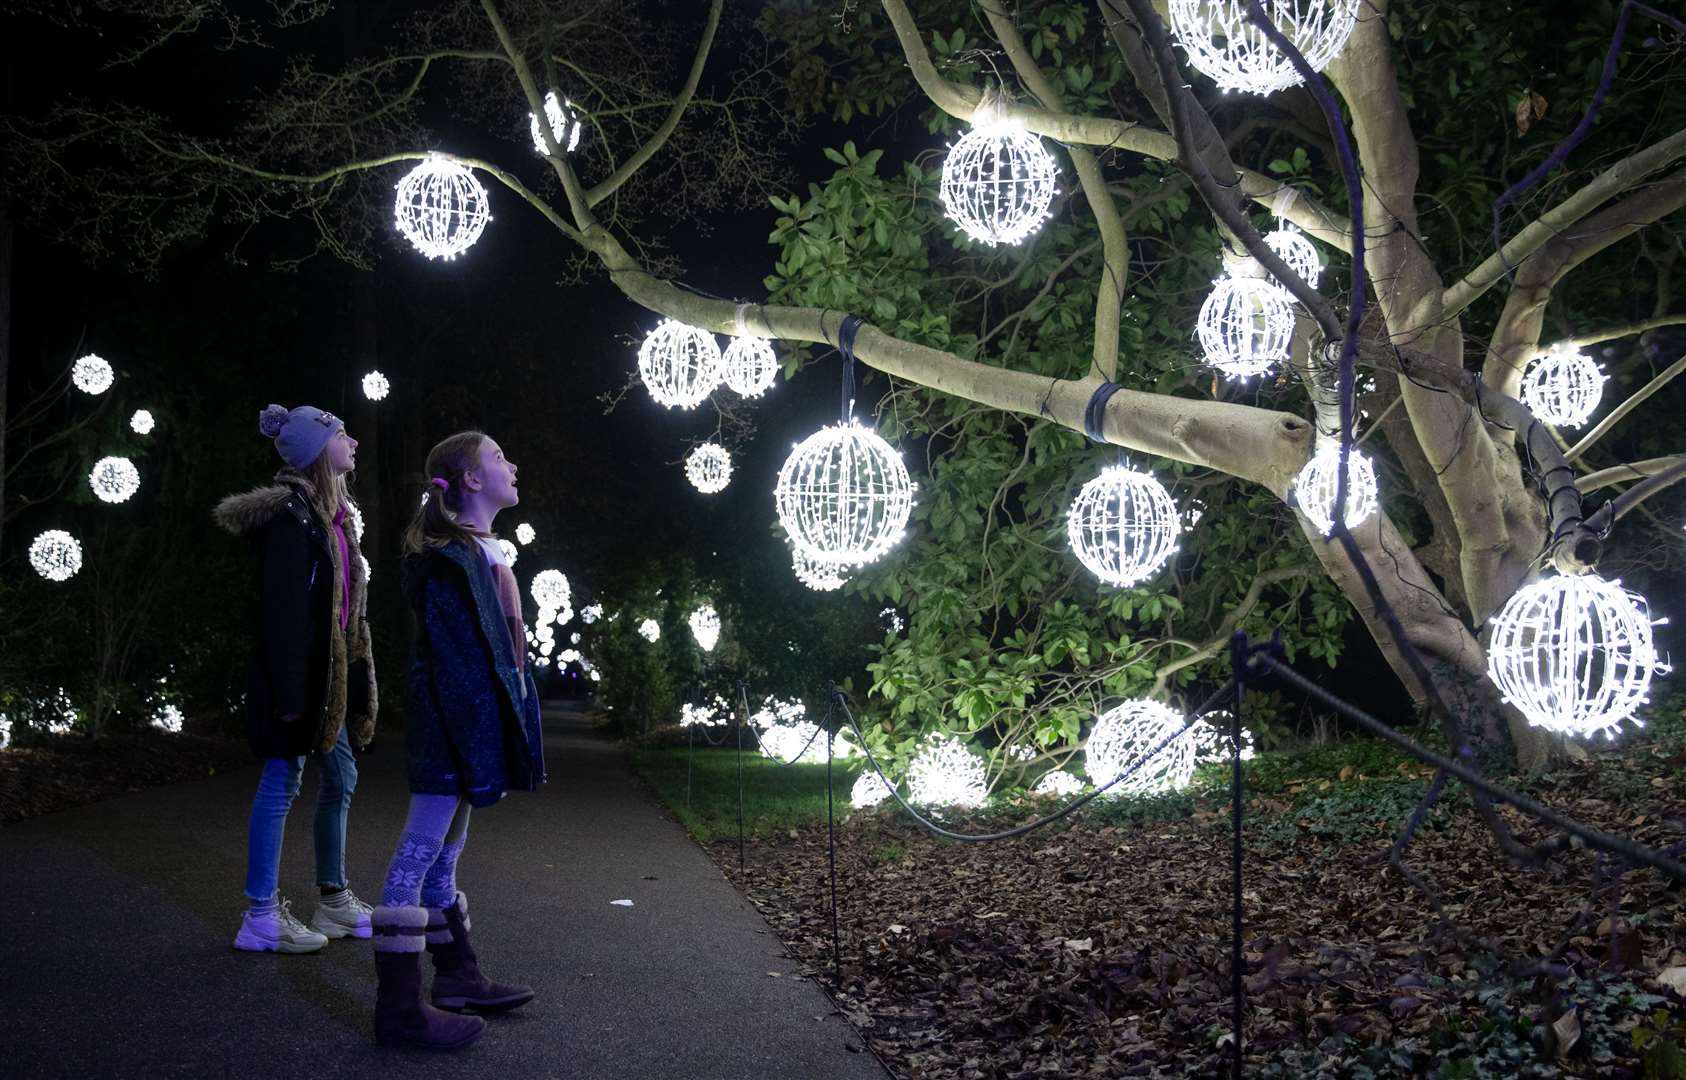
(376, 386)
(1563, 387)
(1245, 326)
(566, 125)
(168, 720)
(55, 555)
(114, 479)
(142, 422)
(524, 533)
(550, 589)
(1211, 738)
(1574, 654)
(510, 552)
(843, 495)
(705, 627)
(92, 375)
(709, 468)
(945, 773)
(892, 620)
(998, 180)
(1226, 47)
(1123, 525)
(1057, 783)
(821, 577)
(869, 790)
(1296, 249)
(1123, 735)
(1314, 487)
(591, 613)
(680, 364)
(650, 630)
(441, 208)
(750, 365)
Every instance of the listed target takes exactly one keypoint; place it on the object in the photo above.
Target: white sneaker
(349, 916)
(276, 931)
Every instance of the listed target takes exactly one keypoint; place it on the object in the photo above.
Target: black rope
(777, 762)
(1094, 413)
(846, 345)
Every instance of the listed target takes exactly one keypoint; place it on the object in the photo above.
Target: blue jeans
(277, 786)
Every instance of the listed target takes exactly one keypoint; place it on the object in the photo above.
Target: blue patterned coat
(471, 717)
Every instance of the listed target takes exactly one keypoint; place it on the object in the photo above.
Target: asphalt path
(117, 958)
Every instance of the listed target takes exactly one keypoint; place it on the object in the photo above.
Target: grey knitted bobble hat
(300, 433)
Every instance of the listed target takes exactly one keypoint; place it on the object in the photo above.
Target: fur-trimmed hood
(249, 511)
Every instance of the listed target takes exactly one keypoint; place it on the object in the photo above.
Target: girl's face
(494, 479)
(342, 452)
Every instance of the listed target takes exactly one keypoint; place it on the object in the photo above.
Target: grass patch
(775, 798)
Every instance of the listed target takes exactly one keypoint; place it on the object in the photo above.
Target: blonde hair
(332, 491)
(435, 523)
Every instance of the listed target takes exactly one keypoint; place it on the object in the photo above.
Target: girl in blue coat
(472, 732)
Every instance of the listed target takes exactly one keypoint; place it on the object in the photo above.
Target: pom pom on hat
(272, 420)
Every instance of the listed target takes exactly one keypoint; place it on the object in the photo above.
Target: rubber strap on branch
(846, 345)
(1094, 413)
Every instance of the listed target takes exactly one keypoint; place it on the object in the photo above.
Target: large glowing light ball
(114, 479)
(750, 365)
(566, 125)
(92, 375)
(709, 468)
(821, 577)
(1124, 734)
(945, 773)
(705, 627)
(376, 386)
(843, 495)
(1314, 487)
(1211, 738)
(869, 790)
(1294, 248)
(1563, 387)
(1245, 326)
(441, 208)
(998, 181)
(142, 422)
(1123, 525)
(1574, 654)
(680, 364)
(650, 630)
(510, 552)
(524, 533)
(168, 720)
(550, 590)
(55, 555)
(1057, 783)
(1225, 46)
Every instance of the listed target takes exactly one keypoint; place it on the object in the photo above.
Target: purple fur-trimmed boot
(457, 982)
(402, 1018)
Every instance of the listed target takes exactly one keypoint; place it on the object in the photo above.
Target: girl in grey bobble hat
(311, 692)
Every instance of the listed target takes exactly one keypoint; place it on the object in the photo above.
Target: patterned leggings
(423, 871)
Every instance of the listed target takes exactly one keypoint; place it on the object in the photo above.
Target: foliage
(776, 798)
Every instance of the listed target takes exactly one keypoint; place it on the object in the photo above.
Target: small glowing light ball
(869, 790)
(568, 656)
(142, 423)
(1314, 487)
(591, 613)
(709, 468)
(945, 773)
(1225, 46)
(524, 533)
(376, 386)
(1574, 654)
(114, 479)
(843, 495)
(1123, 525)
(1563, 387)
(680, 364)
(565, 125)
(818, 576)
(1245, 326)
(705, 627)
(55, 555)
(649, 630)
(1294, 248)
(596, 676)
(509, 551)
(441, 208)
(550, 590)
(168, 720)
(998, 180)
(750, 365)
(1124, 734)
(574, 639)
(1057, 783)
(92, 375)
(892, 620)
(1211, 738)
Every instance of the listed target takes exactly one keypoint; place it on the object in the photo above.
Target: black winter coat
(471, 716)
(302, 663)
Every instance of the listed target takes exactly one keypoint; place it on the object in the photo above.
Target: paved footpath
(116, 955)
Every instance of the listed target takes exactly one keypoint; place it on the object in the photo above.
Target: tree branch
(1624, 408)
(1612, 333)
(1633, 470)
(1220, 640)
